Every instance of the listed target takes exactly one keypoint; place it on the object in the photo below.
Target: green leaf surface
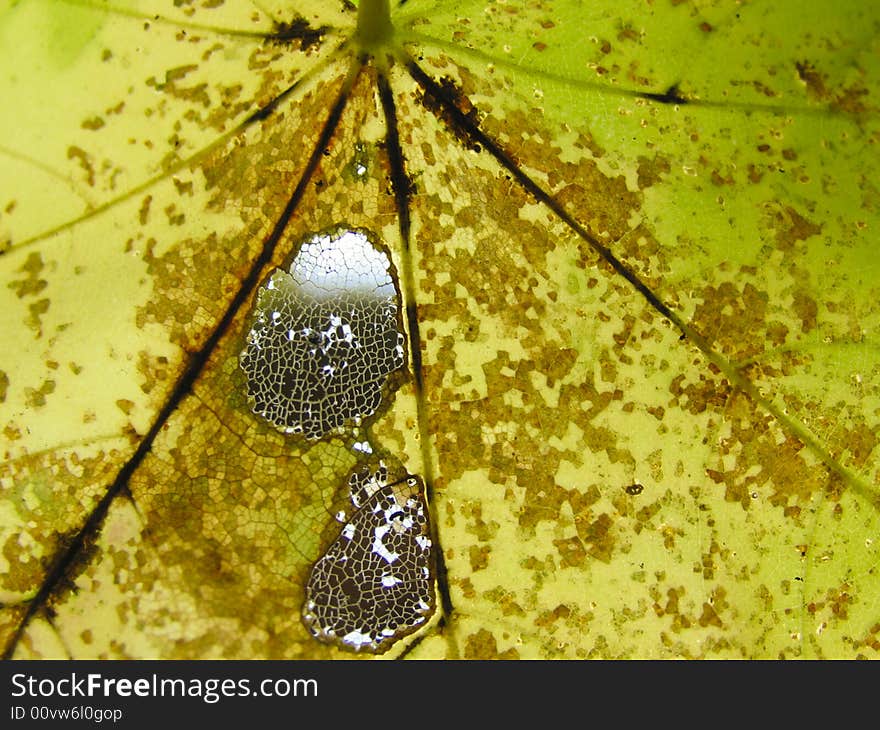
(635, 245)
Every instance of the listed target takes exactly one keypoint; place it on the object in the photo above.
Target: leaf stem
(374, 28)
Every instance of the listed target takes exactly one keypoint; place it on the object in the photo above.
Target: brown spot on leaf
(125, 405)
(651, 171)
(870, 639)
(548, 618)
(805, 307)
(85, 162)
(154, 370)
(814, 81)
(834, 604)
(732, 314)
(482, 645)
(31, 284)
(790, 226)
(571, 551)
(852, 100)
(93, 123)
(479, 557)
(598, 535)
(709, 617)
(36, 397)
(198, 93)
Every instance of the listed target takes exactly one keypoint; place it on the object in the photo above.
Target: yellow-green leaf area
(634, 246)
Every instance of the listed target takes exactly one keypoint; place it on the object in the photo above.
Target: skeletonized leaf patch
(326, 336)
(374, 584)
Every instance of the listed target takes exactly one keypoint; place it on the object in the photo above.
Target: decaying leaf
(632, 253)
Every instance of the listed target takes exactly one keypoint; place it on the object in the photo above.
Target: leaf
(635, 247)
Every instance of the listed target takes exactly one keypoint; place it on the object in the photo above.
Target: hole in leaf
(326, 335)
(374, 584)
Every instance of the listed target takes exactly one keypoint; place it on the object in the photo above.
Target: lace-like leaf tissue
(326, 336)
(374, 585)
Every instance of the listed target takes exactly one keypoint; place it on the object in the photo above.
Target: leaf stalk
(374, 28)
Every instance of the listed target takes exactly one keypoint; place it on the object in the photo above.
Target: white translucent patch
(347, 261)
(357, 639)
(389, 580)
(379, 547)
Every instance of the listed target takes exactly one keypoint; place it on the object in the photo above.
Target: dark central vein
(196, 363)
(464, 124)
(402, 192)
